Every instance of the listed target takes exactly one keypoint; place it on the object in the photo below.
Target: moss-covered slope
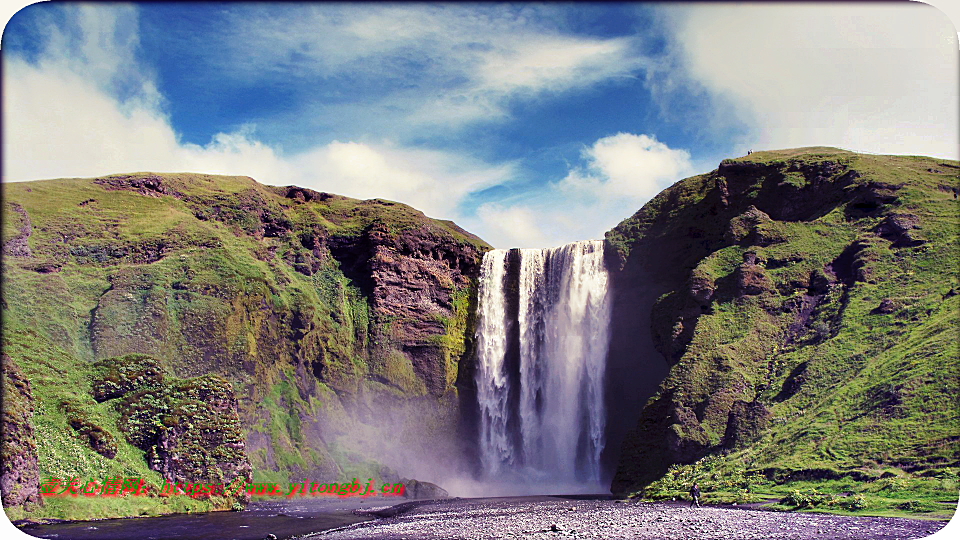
(807, 307)
(319, 310)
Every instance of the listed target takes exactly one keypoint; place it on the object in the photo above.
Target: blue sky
(530, 125)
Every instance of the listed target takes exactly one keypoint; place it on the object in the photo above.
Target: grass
(215, 275)
(846, 386)
(892, 493)
(57, 377)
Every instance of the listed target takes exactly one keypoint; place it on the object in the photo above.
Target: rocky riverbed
(559, 517)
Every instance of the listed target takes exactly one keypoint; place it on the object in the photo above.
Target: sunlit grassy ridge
(826, 351)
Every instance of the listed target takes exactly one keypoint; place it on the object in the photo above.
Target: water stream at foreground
(283, 519)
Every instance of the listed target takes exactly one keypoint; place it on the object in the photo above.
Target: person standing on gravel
(695, 495)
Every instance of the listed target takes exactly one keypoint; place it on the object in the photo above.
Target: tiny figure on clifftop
(695, 495)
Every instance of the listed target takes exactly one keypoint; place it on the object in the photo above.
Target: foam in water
(542, 343)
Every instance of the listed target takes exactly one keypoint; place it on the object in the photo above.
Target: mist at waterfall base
(542, 339)
(536, 411)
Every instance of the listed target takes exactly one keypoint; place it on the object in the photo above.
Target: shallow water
(535, 517)
(284, 519)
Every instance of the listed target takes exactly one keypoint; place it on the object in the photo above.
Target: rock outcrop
(93, 435)
(416, 489)
(190, 429)
(337, 325)
(202, 437)
(767, 286)
(19, 474)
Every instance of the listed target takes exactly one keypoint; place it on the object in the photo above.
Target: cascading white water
(491, 345)
(542, 343)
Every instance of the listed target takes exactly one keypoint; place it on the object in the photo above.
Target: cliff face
(337, 325)
(19, 473)
(803, 307)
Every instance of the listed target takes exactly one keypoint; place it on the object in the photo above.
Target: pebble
(545, 517)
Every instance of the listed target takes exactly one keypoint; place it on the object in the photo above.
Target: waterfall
(542, 338)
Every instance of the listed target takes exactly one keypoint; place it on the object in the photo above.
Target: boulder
(416, 489)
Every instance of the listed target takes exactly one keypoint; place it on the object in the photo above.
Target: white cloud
(620, 173)
(629, 166)
(62, 120)
(513, 226)
(58, 123)
(550, 62)
(430, 180)
(871, 77)
(93, 133)
(440, 65)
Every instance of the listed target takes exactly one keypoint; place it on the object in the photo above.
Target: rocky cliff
(332, 328)
(19, 475)
(801, 307)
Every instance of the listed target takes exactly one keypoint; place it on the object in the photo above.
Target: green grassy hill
(802, 304)
(290, 295)
(808, 309)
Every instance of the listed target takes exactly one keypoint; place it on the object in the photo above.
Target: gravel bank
(554, 517)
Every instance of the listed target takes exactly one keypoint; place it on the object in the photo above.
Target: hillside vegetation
(787, 322)
(808, 315)
(337, 327)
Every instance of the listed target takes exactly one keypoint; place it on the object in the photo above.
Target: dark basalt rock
(393, 286)
(190, 429)
(833, 217)
(416, 489)
(743, 228)
(802, 308)
(410, 278)
(19, 473)
(251, 211)
(870, 198)
(673, 318)
(46, 268)
(751, 279)
(901, 229)
(304, 194)
(685, 438)
(701, 287)
(886, 306)
(202, 439)
(848, 267)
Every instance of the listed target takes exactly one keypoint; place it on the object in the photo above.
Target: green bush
(799, 499)
(796, 498)
(856, 502)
